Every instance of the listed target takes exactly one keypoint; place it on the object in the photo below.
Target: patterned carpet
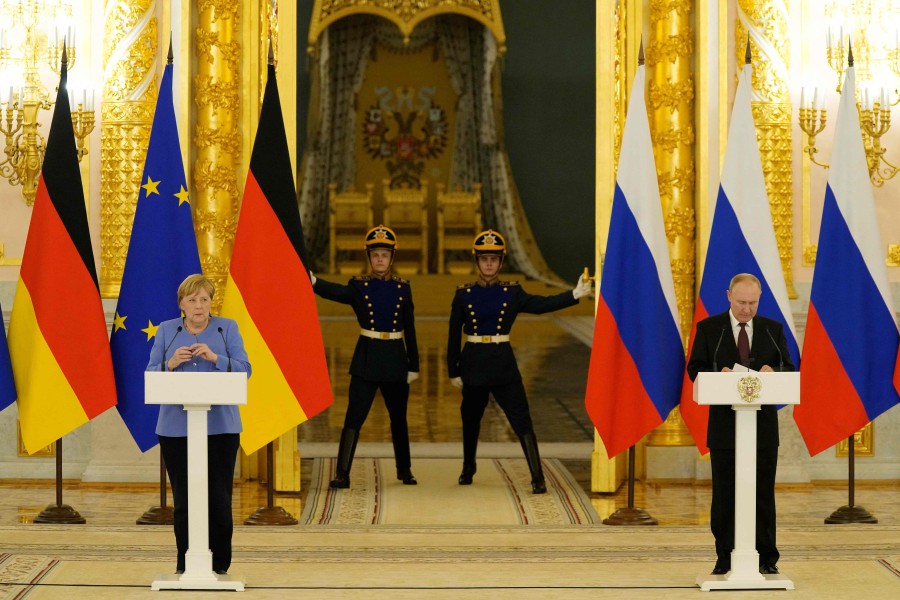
(501, 495)
(379, 561)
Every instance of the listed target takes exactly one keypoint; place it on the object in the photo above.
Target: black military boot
(346, 450)
(529, 445)
(400, 438)
(470, 447)
(468, 471)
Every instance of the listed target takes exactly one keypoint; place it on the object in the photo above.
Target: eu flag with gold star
(7, 385)
(162, 252)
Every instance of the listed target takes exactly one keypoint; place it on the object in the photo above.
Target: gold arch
(406, 14)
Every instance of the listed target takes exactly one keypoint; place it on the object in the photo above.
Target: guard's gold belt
(381, 335)
(487, 339)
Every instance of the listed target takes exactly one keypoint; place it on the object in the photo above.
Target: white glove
(582, 288)
(456, 382)
(411, 376)
(312, 278)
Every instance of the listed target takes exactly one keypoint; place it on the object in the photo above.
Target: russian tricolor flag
(637, 358)
(741, 240)
(850, 345)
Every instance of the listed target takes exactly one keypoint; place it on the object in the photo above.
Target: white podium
(746, 393)
(197, 392)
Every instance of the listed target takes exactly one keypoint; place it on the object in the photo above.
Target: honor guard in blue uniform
(386, 355)
(483, 314)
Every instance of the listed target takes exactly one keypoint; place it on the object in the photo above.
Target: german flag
(269, 292)
(57, 334)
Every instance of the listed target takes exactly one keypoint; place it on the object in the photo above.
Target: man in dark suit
(740, 336)
(386, 355)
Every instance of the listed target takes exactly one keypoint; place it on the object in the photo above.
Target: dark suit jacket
(380, 305)
(716, 331)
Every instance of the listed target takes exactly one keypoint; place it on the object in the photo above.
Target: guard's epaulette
(466, 286)
(360, 278)
(400, 279)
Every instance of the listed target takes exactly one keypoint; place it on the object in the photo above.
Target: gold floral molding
(406, 14)
(766, 24)
(6, 261)
(216, 191)
(129, 97)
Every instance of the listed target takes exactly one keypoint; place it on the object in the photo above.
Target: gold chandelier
(872, 27)
(32, 36)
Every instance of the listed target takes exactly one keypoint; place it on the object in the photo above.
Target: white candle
(828, 38)
(802, 97)
(92, 100)
(883, 100)
(84, 98)
(815, 102)
(9, 98)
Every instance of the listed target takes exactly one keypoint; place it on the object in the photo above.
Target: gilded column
(217, 138)
(671, 103)
(130, 56)
(767, 22)
(618, 37)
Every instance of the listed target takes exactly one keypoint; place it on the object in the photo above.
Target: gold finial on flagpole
(587, 277)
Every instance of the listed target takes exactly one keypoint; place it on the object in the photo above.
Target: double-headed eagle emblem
(749, 388)
(405, 140)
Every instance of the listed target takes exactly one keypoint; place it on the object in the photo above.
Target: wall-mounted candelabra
(38, 32)
(875, 121)
(873, 106)
(812, 122)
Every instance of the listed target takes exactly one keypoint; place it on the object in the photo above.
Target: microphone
(227, 353)
(777, 349)
(166, 351)
(716, 353)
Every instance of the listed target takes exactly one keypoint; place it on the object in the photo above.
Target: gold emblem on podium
(748, 388)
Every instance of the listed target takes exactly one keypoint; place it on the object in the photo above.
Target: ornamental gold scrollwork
(217, 135)
(406, 14)
(669, 140)
(681, 45)
(680, 222)
(893, 255)
(671, 111)
(660, 9)
(671, 95)
(130, 52)
(765, 23)
(681, 180)
(863, 443)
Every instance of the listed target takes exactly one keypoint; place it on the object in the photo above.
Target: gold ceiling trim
(406, 14)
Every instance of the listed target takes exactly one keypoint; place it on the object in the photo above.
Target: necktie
(743, 345)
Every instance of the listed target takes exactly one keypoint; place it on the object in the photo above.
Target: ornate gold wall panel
(671, 104)
(617, 28)
(768, 24)
(129, 96)
(217, 135)
(406, 14)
